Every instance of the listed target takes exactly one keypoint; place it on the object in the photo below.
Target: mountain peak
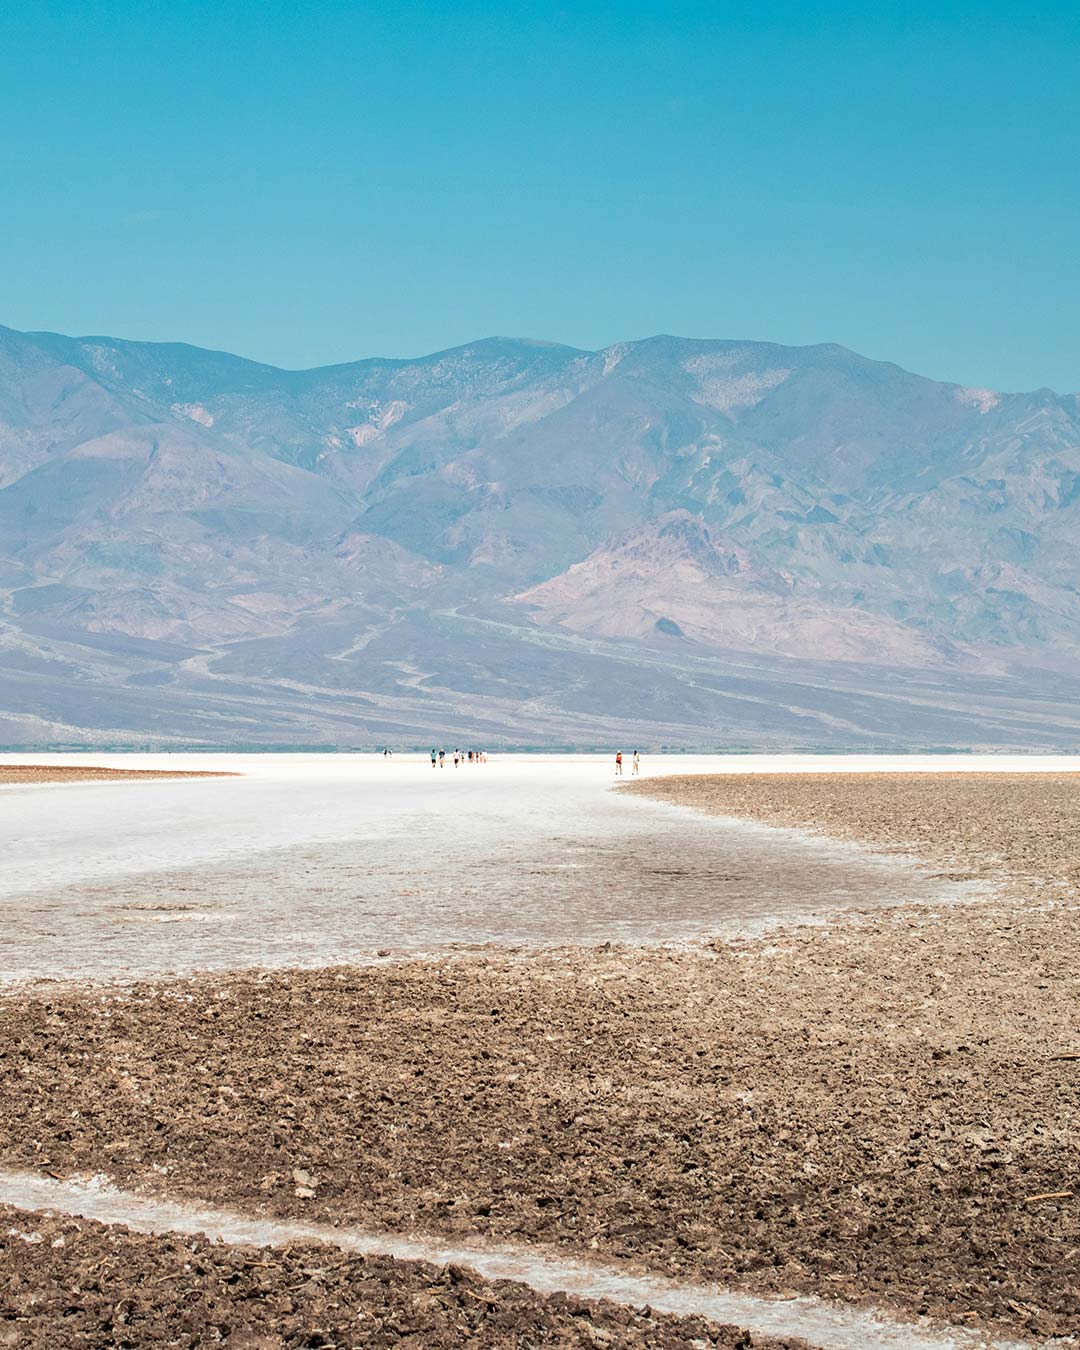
(477, 520)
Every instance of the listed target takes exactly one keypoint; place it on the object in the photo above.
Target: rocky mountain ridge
(390, 548)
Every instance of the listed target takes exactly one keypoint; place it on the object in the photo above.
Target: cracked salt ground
(825, 1326)
(317, 859)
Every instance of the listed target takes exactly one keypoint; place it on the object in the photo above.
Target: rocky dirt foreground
(68, 1283)
(886, 1110)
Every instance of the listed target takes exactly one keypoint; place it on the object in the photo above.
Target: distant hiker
(434, 756)
(457, 758)
(618, 763)
(637, 763)
(442, 759)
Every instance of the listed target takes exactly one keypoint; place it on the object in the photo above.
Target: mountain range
(668, 542)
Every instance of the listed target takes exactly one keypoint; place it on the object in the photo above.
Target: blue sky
(314, 183)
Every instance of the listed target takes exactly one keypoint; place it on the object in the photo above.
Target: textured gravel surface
(794, 1119)
(1024, 827)
(68, 1283)
(885, 1110)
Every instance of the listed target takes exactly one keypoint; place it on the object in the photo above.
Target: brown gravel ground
(1024, 827)
(78, 773)
(886, 1110)
(67, 1283)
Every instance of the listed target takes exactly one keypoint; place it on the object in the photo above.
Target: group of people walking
(459, 757)
(439, 757)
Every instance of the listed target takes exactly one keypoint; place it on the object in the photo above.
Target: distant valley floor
(460, 679)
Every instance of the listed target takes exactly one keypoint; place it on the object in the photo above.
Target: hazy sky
(307, 183)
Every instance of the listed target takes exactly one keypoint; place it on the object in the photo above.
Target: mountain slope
(671, 577)
(195, 543)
